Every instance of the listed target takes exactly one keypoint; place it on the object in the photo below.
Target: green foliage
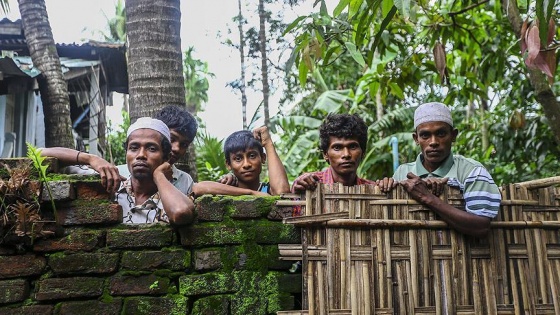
(38, 160)
(482, 83)
(116, 139)
(210, 162)
(196, 75)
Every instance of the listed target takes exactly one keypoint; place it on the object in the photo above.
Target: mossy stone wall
(225, 263)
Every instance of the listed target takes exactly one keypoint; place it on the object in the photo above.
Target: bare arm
(110, 177)
(178, 206)
(213, 188)
(462, 221)
(276, 171)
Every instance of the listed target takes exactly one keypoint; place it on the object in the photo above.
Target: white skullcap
(431, 112)
(150, 123)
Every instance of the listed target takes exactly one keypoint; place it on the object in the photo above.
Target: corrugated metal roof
(25, 64)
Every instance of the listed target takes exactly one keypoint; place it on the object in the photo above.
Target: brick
(12, 291)
(83, 263)
(209, 208)
(21, 266)
(211, 235)
(253, 208)
(76, 240)
(208, 283)
(91, 307)
(68, 288)
(80, 212)
(177, 259)
(28, 310)
(137, 285)
(155, 306)
(58, 191)
(141, 236)
(92, 190)
(212, 305)
(205, 260)
(271, 232)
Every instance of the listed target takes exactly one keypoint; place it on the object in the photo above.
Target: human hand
(166, 169)
(109, 173)
(386, 184)
(416, 187)
(228, 179)
(262, 135)
(436, 185)
(307, 181)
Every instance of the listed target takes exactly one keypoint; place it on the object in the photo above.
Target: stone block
(177, 259)
(92, 190)
(80, 212)
(83, 263)
(123, 284)
(28, 310)
(208, 283)
(212, 305)
(91, 307)
(272, 232)
(211, 209)
(207, 259)
(141, 236)
(211, 234)
(12, 291)
(252, 208)
(155, 306)
(21, 266)
(68, 288)
(59, 191)
(75, 240)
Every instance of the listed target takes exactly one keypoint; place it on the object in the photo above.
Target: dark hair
(241, 141)
(343, 126)
(180, 120)
(165, 147)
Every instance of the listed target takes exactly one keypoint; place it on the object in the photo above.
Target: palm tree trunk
(264, 62)
(53, 87)
(155, 68)
(242, 86)
(543, 93)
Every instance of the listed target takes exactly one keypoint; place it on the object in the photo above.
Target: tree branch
(472, 6)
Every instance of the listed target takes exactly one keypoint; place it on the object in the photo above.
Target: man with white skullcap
(147, 195)
(436, 166)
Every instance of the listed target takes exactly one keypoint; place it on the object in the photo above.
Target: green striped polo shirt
(482, 196)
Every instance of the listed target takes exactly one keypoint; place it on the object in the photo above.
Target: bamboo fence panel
(365, 252)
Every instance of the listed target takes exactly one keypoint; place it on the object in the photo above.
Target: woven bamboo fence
(364, 252)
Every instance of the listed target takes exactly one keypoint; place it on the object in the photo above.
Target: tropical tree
(53, 87)
(463, 53)
(264, 61)
(155, 68)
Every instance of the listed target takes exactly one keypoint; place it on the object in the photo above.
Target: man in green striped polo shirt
(437, 165)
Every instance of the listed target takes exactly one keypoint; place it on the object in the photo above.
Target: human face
(179, 145)
(246, 166)
(344, 155)
(435, 139)
(144, 153)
